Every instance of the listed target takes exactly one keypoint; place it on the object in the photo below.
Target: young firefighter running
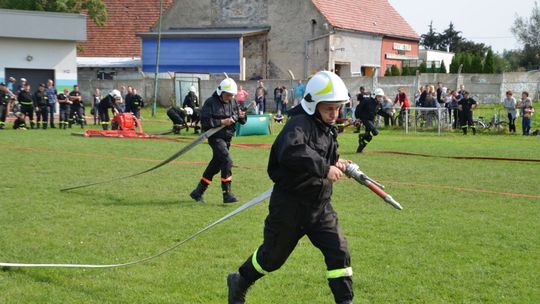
(221, 109)
(303, 165)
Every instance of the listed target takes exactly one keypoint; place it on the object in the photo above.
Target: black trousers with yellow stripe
(287, 222)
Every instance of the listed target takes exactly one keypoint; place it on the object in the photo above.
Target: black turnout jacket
(214, 110)
(300, 158)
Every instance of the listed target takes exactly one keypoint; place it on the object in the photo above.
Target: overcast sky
(485, 21)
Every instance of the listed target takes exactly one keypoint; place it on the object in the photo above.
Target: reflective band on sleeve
(256, 264)
(226, 180)
(339, 273)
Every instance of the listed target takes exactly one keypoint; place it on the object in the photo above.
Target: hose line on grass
(192, 144)
(263, 196)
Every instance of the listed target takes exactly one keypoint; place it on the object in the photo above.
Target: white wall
(46, 54)
(430, 55)
(357, 48)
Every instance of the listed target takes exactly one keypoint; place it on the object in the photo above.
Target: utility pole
(158, 46)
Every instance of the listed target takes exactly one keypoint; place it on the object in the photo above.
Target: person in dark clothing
(221, 109)
(65, 108)
(19, 123)
(27, 104)
(76, 114)
(137, 103)
(178, 117)
(41, 104)
(191, 101)
(303, 165)
(363, 95)
(5, 98)
(367, 111)
(466, 106)
(128, 100)
(108, 102)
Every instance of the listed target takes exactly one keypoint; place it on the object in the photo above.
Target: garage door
(215, 55)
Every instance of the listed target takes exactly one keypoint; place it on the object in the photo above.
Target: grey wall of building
(356, 48)
(290, 21)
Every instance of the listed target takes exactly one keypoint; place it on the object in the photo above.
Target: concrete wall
(487, 89)
(56, 55)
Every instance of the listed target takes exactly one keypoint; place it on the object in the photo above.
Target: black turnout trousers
(287, 222)
(221, 160)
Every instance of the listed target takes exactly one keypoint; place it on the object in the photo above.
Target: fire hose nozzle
(353, 171)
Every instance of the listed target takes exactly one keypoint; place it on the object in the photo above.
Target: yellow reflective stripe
(326, 89)
(256, 264)
(227, 86)
(339, 273)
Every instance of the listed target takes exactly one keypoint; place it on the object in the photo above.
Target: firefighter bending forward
(303, 165)
(220, 109)
(108, 102)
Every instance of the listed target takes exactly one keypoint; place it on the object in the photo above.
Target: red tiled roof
(117, 38)
(371, 16)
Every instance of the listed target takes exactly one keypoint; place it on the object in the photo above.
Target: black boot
(464, 131)
(44, 125)
(473, 130)
(228, 196)
(53, 126)
(197, 194)
(32, 125)
(238, 288)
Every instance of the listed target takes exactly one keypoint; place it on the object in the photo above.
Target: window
(106, 75)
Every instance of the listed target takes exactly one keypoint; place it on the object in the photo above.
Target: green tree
(430, 40)
(476, 64)
(423, 67)
(433, 68)
(388, 72)
(442, 69)
(467, 63)
(395, 71)
(450, 38)
(527, 31)
(96, 9)
(489, 64)
(454, 65)
(406, 70)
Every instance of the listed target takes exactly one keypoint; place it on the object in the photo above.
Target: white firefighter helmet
(378, 92)
(192, 89)
(115, 94)
(227, 85)
(189, 111)
(324, 87)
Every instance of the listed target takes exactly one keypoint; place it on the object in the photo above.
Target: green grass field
(469, 231)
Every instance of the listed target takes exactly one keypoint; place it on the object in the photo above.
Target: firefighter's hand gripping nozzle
(353, 171)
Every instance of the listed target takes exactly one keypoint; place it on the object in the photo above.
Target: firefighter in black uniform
(27, 104)
(136, 104)
(19, 123)
(65, 108)
(465, 107)
(221, 109)
(363, 95)
(303, 165)
(41, 103)
(366, 112)
(109, 102)
(5, 98)
(178, 117)
(76, 114)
